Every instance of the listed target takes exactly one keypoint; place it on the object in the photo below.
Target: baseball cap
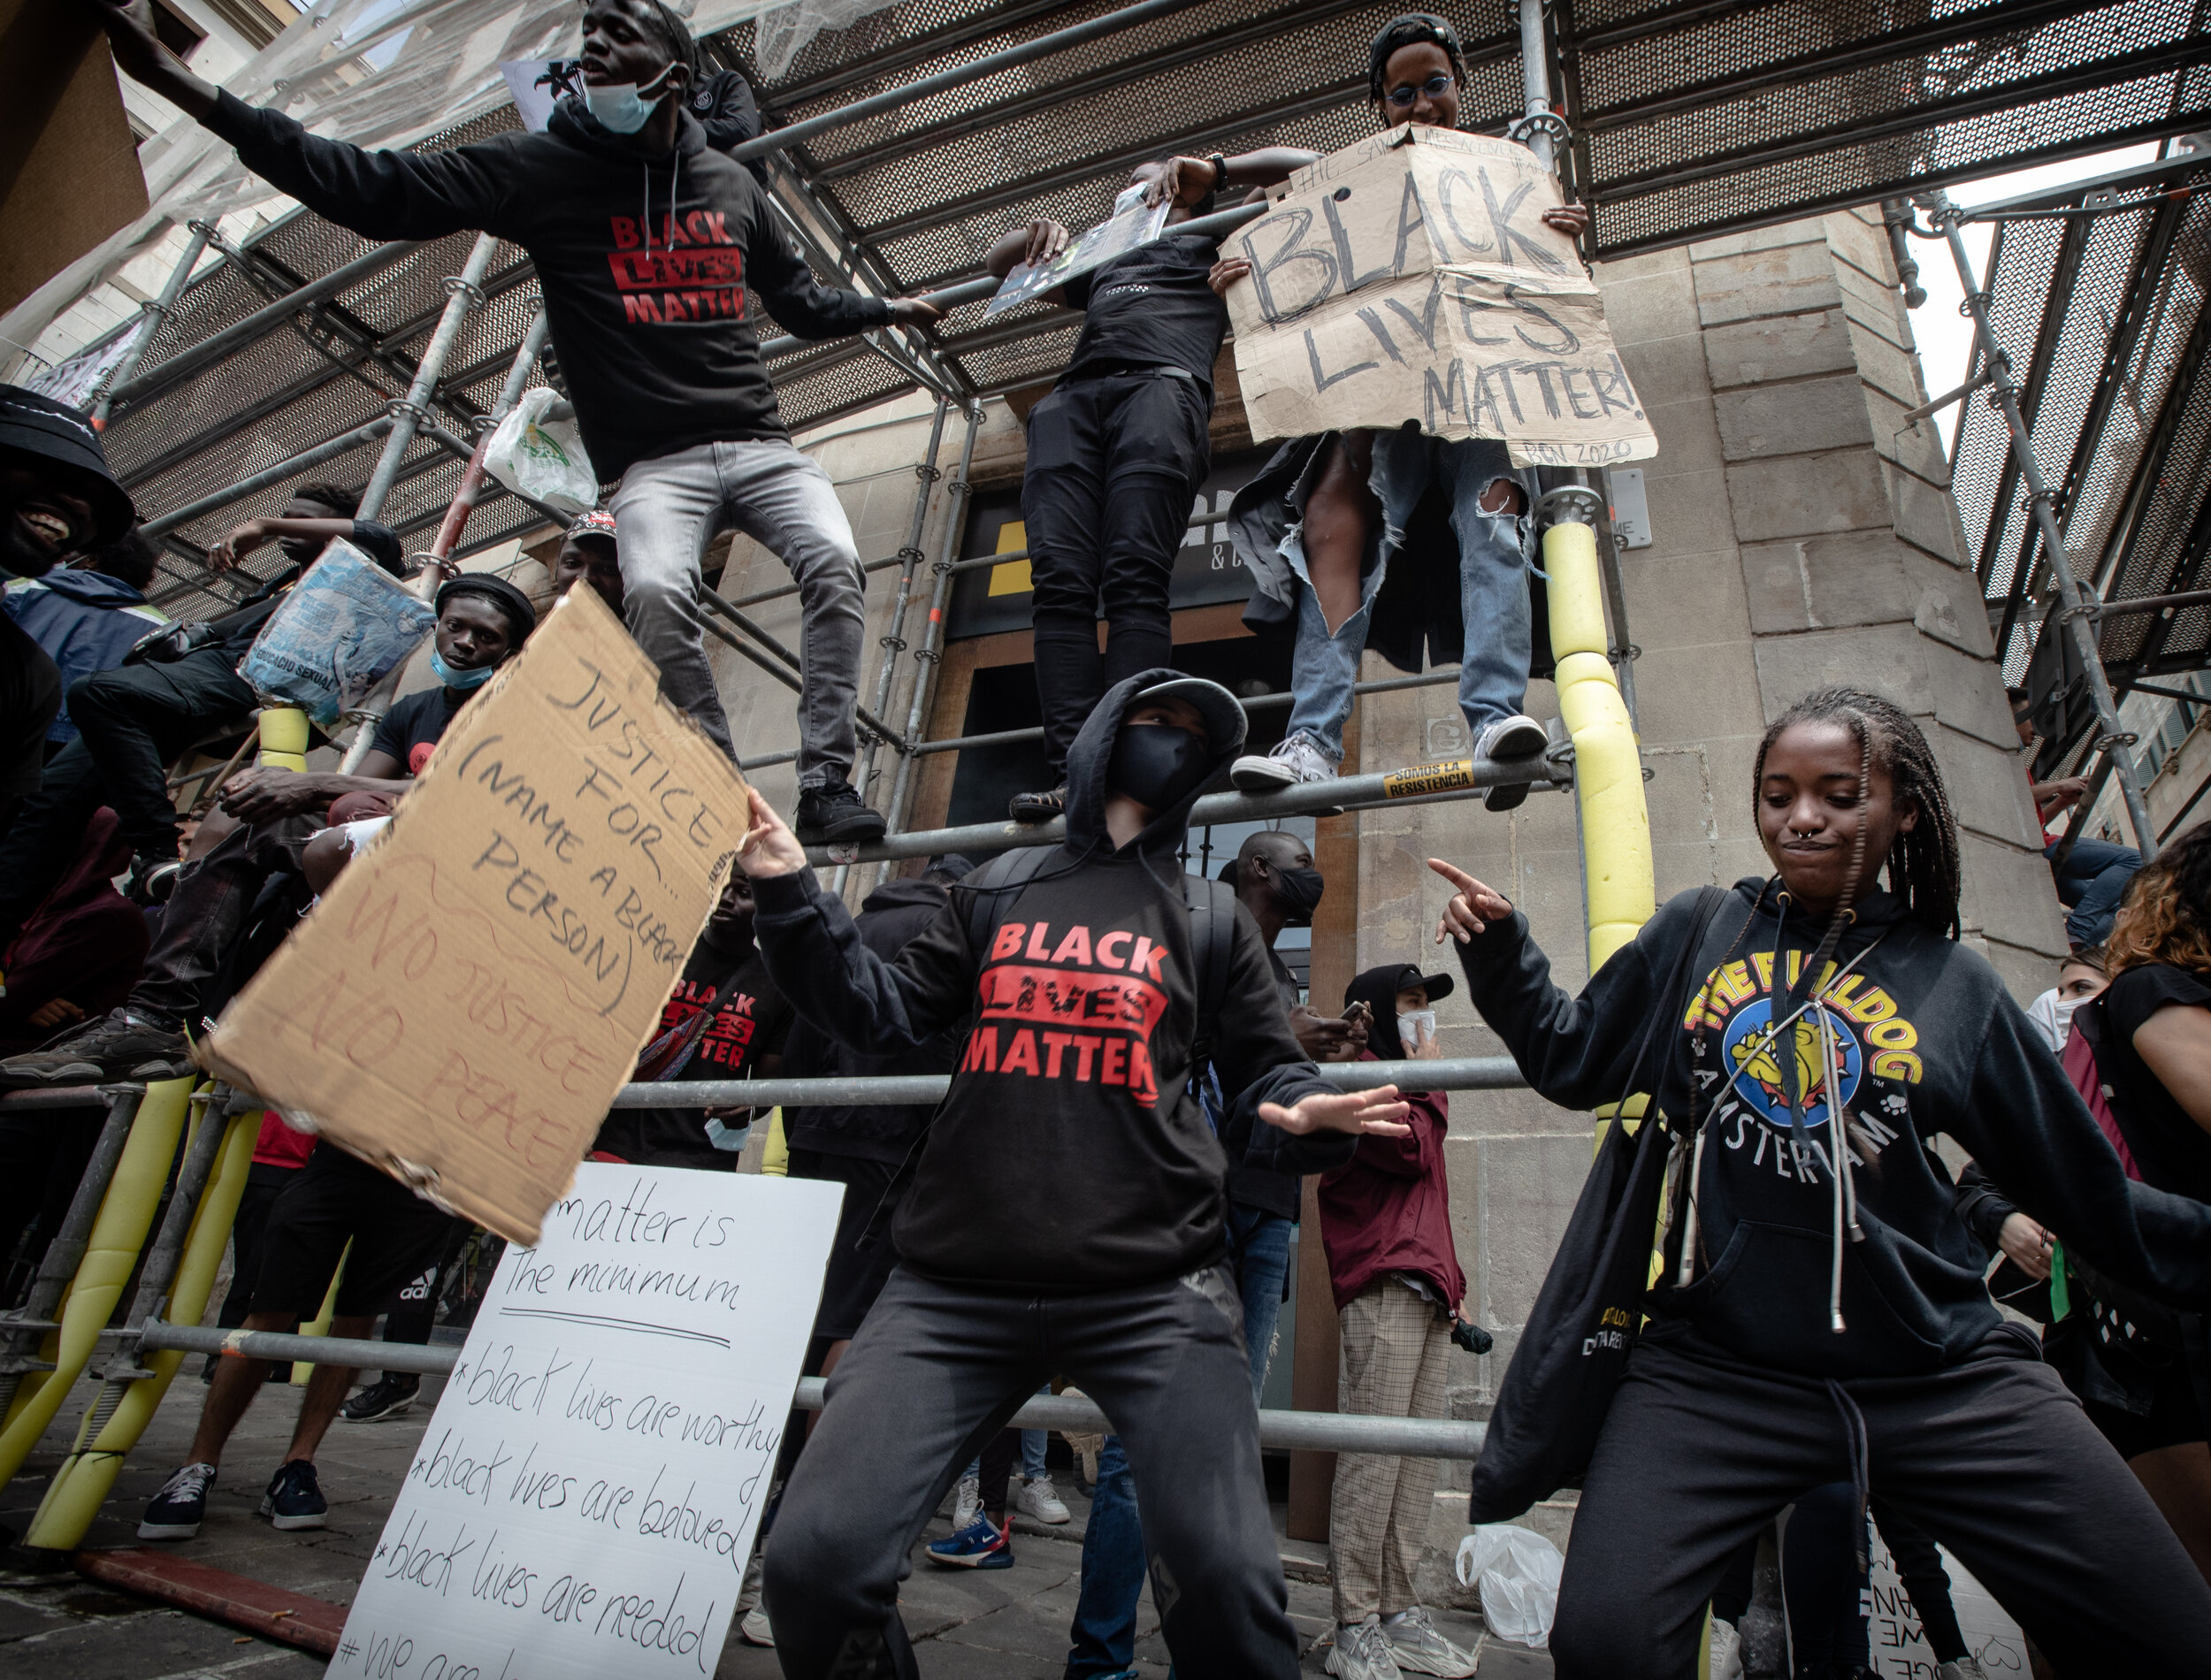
(1218, 709)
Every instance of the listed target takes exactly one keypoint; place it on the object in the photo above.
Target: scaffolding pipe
(456, 516)
(1308, 798)
(261, 323)
(268, 477)
(784, 592)
(463, 292)
(2004, 393)
(713, 603)
(1535, 82)
(156, 313)
(929, 655)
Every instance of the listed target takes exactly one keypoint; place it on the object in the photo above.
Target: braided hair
(1923, 869)
(1401, 32)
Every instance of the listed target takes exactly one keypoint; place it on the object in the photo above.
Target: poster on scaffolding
(1132, 224)
(1411, 277)
(585, 1497)
(462, 1005)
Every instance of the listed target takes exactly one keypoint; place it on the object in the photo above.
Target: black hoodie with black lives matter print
(1926, 1040)
(1081, 1008)
(642, 263)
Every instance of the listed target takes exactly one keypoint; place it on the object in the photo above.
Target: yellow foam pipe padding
(284, 738)
(302, 1369)
(127, 1213)
(88, 1476)
(1608, 767)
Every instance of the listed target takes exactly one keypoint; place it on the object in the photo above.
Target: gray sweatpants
(936, 1371)
(666, 512)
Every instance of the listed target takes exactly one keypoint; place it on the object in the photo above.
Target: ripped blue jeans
(1493, 600)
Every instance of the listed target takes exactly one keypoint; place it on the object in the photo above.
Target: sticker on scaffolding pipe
(586, 1495)
(1410, 277)
(1429, 778)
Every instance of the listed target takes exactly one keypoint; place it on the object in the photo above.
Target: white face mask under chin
(620, 107)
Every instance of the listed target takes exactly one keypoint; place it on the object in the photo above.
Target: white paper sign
(585, 1498)
(1900, 1646)
(540, 84)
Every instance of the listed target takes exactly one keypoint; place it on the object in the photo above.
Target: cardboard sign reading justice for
(585, 1497)
(464, 1003)
(1410, 277)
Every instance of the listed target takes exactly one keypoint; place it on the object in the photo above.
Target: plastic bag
(542, 459)
(343, 628)
(1517, 1571)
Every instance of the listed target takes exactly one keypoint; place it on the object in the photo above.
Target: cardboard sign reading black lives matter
(463, 1003)
(1410, 277)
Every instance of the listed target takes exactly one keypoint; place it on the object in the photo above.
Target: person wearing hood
(1819, 1311)
(1082, 984)
(644, 240)
(1386, 1223)
(57, 498)
(88, 614)
(482, 622)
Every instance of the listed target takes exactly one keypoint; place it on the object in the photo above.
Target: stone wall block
(1785, 347)
(1656, 306)
(1806, 495)
(1889, 659)
(1538, 1178)
(1683, 692)
(2009, 895)
(1988, 786)
(1690, 600)
(1688, 441)
(1826, 583)
(1688, 513)
(1863, 243)
(1916, 445)
(1923, 515)
(1786, 280)
(1946, 603)
(1792, 419)
(1885, 365)
(1873, 305)
(1668, 370)
(1969, 695)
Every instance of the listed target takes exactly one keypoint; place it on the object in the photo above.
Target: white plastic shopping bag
(1517, 1571)
(541, 458)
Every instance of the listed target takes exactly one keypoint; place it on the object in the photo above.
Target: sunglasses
(1403, 97)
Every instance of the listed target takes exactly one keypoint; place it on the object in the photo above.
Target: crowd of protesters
(1819, 1331)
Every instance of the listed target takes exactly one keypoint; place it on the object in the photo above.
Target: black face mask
(1156, 764)
(1299, 892)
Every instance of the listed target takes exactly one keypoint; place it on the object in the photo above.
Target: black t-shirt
(30, 699)
(235, 630)
(1151, 307)
(2172, 1152)
(751, 1019)
(413, 725)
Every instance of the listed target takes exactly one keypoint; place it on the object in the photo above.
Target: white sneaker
(966, 1504)
(1518, 737)
(1294, 761)
(1415, 1645)
(1042, 1500)
(1726, 1651)
(754, 1629)
(1361, 1652)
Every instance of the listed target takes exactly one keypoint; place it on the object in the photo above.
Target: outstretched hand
(1472, 907)
(768, 848)
(914, 311)
(1378, 1113)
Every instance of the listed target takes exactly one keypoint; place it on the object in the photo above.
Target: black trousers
(132, 721)
(1991, 1457)
(1112, 464)
(208, 910)
(936, 1370)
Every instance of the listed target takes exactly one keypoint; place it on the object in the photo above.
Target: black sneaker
(389, 1395)
(1038, 807)
(118, 1048)
(152, 878)
(177, 1511)
(295, 1499)
(833, 815)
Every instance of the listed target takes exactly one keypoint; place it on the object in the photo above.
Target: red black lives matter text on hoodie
(1081, 1008)
(1927, 1041)
(642, 263)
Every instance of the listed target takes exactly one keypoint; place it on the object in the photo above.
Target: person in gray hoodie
(1082, 981)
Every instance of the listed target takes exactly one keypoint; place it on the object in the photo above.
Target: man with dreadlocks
(645, 239)
(1820, 1315)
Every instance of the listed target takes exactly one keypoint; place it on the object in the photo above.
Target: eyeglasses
(1403, 97)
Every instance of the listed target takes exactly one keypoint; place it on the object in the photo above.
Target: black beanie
(504, 595)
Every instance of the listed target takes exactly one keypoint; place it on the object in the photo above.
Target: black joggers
(1112, 464)
(1992, 1456)
(936, 1370)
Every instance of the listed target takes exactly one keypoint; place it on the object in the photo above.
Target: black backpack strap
(988, 888)
(1212, 932)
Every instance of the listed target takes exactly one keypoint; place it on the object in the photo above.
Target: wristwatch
(1221, 170)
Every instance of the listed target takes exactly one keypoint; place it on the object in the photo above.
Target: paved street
(1007, 1624)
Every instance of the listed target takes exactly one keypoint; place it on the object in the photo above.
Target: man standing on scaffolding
(644, 239)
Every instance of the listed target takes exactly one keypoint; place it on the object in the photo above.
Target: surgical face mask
(462, 680)
(1299, 891)
(1156, 765)
(1412, 1023)
(2064, 1010)
(620, 107)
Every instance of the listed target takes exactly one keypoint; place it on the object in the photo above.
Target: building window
(177, 32)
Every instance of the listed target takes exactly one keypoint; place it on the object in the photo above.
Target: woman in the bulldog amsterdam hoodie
(1808, 1328)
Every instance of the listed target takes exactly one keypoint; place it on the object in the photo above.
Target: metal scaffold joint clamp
(1540, 122)
(460, 287)
(1568, 505)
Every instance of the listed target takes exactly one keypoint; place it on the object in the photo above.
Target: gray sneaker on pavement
(1417, 1646)
(117, 1047)
(1362, 1653)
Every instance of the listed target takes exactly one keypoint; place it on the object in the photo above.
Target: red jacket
(1389, 1208)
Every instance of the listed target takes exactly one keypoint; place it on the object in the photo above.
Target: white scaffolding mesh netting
(376, 73)
(783, 32)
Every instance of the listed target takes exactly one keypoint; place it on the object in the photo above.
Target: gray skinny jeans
(666, 512)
